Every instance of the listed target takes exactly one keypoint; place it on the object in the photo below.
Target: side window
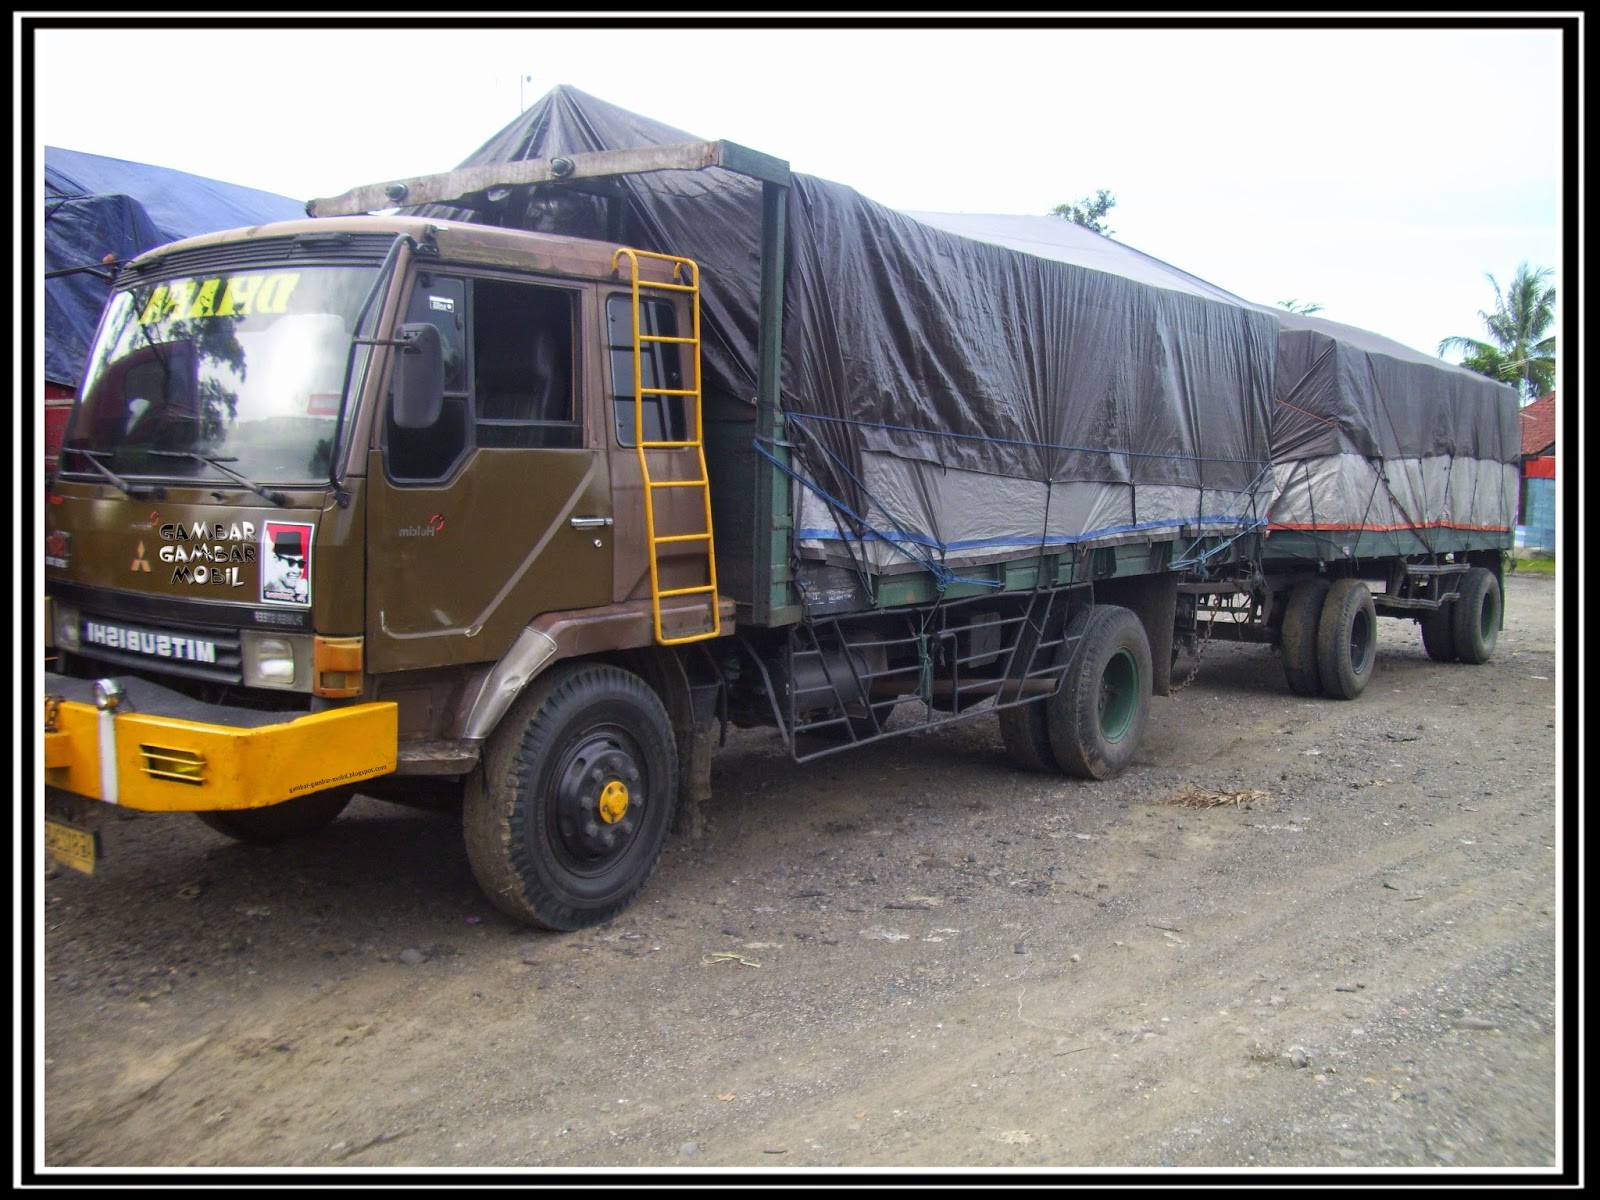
(659, 367)
(522, 342)
(425, 455)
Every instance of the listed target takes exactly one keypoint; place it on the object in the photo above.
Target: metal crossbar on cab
(681, 268)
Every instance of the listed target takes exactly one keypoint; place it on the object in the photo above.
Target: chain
(1198, 653)
(52, 713)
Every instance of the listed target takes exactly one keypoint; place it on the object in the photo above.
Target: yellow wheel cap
(613, 801)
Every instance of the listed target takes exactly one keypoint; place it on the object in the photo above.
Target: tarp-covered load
(96, 206)
(967, 388)
(1369, 434)
(949, 400)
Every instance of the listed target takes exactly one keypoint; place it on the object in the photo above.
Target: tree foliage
(1520, 350)
(1089, 212)
(1304, 307)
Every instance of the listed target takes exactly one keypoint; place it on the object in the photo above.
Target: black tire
(568, 816)
(1097, 718)
(1347, 640)
(1025, 730)
(1439, 632)
(279, 822)
(1477, 616)
(1297, 643)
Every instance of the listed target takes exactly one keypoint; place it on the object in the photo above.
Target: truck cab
(334, 490)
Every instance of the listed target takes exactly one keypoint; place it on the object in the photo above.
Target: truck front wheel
(568, 817)
(1097, 718)
(278, 822)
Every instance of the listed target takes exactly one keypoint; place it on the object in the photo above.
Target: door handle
(590, 522)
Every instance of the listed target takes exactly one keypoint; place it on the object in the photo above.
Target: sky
(1381, 172)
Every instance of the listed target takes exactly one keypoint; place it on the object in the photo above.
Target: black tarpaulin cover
(1370, 434)
(1347, 390)
(1365, 432)
(926, 375)
(965, 388)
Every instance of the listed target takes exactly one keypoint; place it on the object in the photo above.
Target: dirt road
(1296, 934)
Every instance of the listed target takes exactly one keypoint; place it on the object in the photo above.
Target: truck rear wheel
(569, 815)
(1439, 632)
(1347, 640)
(279, 822)
(1477, 616)
(1097, 718)
(1025, 731)
(1297, 644)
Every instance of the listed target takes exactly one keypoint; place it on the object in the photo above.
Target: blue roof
(95, 206)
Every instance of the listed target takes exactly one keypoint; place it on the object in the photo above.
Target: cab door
(501, 510)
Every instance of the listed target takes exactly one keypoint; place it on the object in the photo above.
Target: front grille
(209, 652)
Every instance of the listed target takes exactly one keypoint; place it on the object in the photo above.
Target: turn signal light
(336, 666)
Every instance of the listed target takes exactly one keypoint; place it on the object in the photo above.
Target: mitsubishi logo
(140, 563)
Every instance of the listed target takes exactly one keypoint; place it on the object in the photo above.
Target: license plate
(71, 846)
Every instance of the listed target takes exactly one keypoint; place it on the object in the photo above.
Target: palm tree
(1519, 352)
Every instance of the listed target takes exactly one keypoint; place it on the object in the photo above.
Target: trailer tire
(1347, 640)
(279, 822)
(1439, 633)
(1025, 731)
(1297, 644)
(1477, 616)
(568, 816)
(1097, 717)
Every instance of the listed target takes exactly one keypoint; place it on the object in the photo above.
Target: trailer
(510, 487)
(1393, 492)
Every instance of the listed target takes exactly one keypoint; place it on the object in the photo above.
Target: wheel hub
(598, 799)
(613, 801)
(1363, 637)
(1119, 696)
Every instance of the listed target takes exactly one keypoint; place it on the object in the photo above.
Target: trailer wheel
(1025, 731)
(1347, 640)
(1097, 718)
(279, 822)
(1297, 645)
(1477, 616)
(1439, 632)
(568, 816)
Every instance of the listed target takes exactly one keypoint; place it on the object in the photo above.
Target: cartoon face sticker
(285, 563)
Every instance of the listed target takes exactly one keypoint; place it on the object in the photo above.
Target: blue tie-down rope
(942, 575)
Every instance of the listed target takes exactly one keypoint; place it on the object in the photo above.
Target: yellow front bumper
(163, 764)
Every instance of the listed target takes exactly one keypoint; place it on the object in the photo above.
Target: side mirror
(418, 376)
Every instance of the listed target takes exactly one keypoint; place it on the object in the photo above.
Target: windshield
(247, 368)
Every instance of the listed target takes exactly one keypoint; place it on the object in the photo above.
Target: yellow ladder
(681, 268)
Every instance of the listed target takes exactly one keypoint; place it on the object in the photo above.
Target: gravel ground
(1297, 935)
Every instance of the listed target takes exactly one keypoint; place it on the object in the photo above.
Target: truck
(513, 488)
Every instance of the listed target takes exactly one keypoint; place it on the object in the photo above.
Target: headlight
(65, 627)
(275, 660)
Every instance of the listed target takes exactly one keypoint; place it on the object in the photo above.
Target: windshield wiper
(132, 491)
(216, 462)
